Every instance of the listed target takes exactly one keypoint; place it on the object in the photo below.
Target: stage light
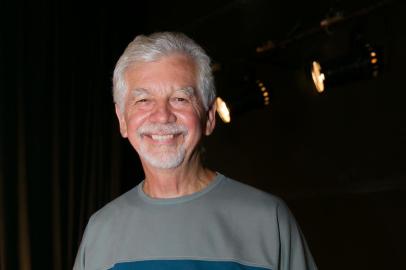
(255, 96)
(363, 63)
(318, 76)
(265, 92)
(222, 110)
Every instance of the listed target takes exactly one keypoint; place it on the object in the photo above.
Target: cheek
(192, 122)
(134, 121)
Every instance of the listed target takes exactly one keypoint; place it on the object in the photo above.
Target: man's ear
(211, 119)
(121, 121)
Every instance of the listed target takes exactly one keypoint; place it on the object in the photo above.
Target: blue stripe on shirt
(184, 265)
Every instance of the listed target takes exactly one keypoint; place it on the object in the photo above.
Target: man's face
(163, 116)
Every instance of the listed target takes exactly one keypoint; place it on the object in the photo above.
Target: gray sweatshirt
(227, 225)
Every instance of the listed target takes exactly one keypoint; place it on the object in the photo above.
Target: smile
(167, 139)
(161, 138)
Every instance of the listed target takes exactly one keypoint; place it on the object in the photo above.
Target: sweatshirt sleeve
(294, 252)
(81, 254)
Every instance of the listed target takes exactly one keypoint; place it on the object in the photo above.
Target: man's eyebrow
(190, 91)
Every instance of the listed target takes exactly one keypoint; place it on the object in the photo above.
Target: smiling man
(164, 119)
(182, 215)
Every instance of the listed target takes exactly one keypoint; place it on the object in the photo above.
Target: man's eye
(143, 100)
(180, 99)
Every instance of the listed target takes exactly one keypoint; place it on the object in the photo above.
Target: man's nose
(163, 113)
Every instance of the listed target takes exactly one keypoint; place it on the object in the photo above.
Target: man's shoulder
(238, 192)
(116, 208)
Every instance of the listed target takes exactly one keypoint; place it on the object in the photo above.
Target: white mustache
(170, 128)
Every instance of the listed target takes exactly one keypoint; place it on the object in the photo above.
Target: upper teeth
(162, 137)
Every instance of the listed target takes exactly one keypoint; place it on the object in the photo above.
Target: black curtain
(60, 149)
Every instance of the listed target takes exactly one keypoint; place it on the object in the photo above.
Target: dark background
(337, 159)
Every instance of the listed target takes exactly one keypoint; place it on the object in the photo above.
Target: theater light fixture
(223, 110)
(248, 99)
(318, 76)
(264, 91)
(366, 62)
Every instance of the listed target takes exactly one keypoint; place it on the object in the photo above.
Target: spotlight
(318, 76)
(265, 92)
(254, 97)
(362, 64)
(223, 110)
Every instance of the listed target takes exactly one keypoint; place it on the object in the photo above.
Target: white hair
(155, 46)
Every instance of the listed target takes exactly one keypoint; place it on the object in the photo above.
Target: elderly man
(183, 215)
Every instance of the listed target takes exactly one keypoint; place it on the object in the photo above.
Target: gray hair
(155, 46)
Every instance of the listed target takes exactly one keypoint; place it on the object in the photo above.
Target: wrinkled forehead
(180, 58)
(177, 72)
(174, 68)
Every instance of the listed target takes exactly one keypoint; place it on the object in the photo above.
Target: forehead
(173, 71)
(189, 91)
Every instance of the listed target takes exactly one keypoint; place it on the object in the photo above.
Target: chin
(164, 160)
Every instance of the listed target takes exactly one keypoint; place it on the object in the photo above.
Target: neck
(176, 182)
